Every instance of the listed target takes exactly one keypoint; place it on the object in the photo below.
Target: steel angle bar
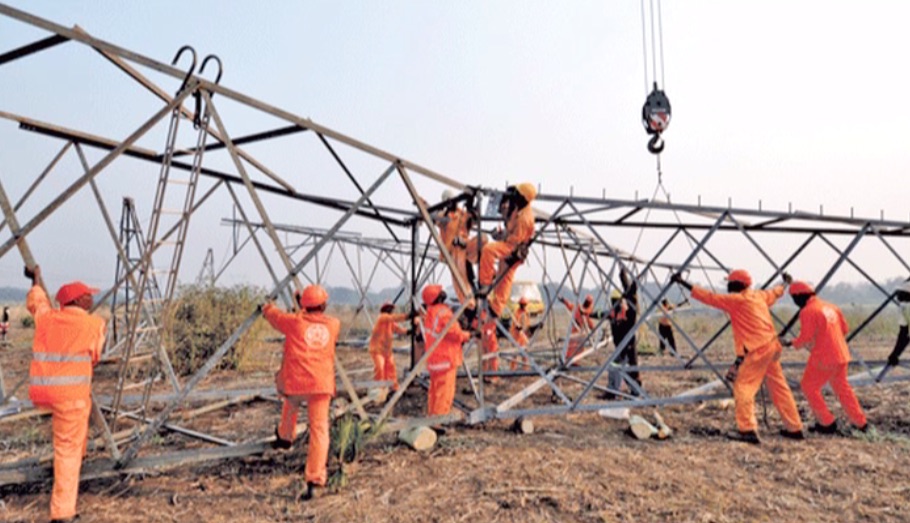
(890, 248)
(613, 404)
(354, 181)
(259, 248)
(642, 315)
(824, 281)
(97, 168)
(130, 269)
(34, 47)
(213, 360)
(717, 334)
(37, 181)
(856, 266)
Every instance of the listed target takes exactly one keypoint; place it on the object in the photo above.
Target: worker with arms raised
(822, 330)
(384, 329)
(307, 374)
(445, 359)
(453, 223)
(67, 345)
(758, 352)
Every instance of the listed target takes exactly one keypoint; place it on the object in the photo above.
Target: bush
(201, 318)
(27, 322)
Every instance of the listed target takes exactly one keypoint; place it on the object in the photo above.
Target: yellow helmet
(527, 190)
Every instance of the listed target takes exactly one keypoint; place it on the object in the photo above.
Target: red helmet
(523, 301)
(800, 287)
(313, 296)
(73, 291)
(742, 276)
(431, 292)
(387, 307)
(589, 299)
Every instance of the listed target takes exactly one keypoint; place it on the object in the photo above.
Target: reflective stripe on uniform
(60, 358)
(60, 380)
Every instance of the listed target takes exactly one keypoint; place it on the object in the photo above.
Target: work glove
(458, 242)
(786, 342)
(677, 277)
(787, 278)
(499, 234)
(733, 371)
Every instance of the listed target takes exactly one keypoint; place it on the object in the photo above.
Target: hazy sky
(779, 101)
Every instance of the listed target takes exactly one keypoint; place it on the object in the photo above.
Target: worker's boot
(281, 443)
(792, 434)
(818, 428)
(67, 520)
(746, 437)
(308, 493)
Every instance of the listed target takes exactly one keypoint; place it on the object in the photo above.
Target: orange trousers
(459, 256)
(490, 345)
(384, 368)
(758, 365)
(492, 254)
(69, 421)
(521, 361)
(815, 377)
(442, 392)
(317, 455)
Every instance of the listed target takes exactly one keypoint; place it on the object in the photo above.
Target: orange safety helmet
(742, 276)
(800, 287)
(527, 190)
(431, 292)
(313, 296)
(73, 291)
(523, 301)
(589, 299)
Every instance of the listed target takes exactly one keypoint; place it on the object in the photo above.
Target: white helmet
(448, 194)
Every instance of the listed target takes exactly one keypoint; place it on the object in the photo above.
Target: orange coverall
(307, 374)
(67, 345)
(521, 322)
(519, 230)
(822, 331)
(755, 339)
(443, 363)
(381, 346)
(454, 225)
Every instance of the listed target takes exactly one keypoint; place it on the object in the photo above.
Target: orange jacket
(447, 355)
(520, 227)
(822, 330)
(521, 322)
(453, 224)
(749, 312)
(308, 366)
(67, 345)
(581, 315)
(385, 327)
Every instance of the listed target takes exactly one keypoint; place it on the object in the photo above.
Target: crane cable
(655, 113)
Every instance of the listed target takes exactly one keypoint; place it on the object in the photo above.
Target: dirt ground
(580, 467)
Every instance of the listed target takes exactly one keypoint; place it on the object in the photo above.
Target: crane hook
(655, 117)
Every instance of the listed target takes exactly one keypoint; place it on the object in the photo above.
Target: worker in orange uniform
(582, 324)
(510, 249)
(521, 325)
(453, 223)
(445, 359)
(67, 345)
(758, 352)
(307, 374)
(581, 316)
(665, 326)
(504, 256)
(384, 329)
(823, 332)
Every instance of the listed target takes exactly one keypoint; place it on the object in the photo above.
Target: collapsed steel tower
(575, 248)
